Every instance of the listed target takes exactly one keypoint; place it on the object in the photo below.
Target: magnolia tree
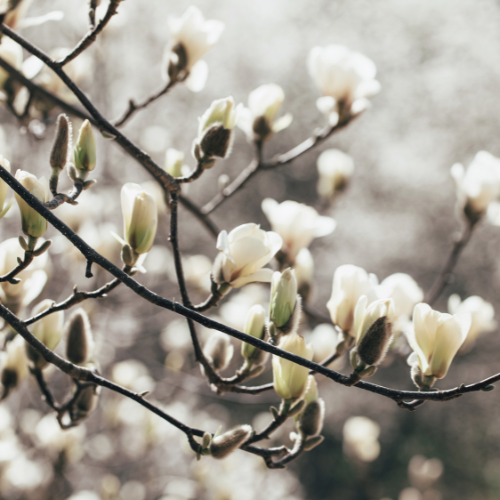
(367, 318)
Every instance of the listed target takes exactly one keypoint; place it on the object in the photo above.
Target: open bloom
(258, 120)
(33, 278)
(345, 78)
(405, 292)
(33, 223)
(479, 185)
(244, 251)
(290, 379)
(192, 38)
(349, 284)
(297, 224)
(373, 327)
(482, 316)
(335, 169)
(140, 217)
(436, 338)
(215, 129)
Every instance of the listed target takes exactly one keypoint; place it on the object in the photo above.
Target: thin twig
(91, 35)
(204, 219)
(70, 198)
(22, 265)
(195, 174)
(443, 277)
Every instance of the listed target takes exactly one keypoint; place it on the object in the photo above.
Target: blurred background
(439, 67)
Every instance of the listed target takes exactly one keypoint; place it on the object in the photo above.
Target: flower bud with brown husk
(79, 341)
(310, 422)
(14, 366)
(226, 443)
(84, 404)
(60, 150)
(218, 351)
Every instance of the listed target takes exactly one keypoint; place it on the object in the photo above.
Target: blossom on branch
(335, 169)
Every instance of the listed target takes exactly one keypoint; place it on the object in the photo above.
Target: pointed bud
(84, 404)
(174, 160)
(218, 351)
(79, 341)
(283, 300)
(226, 443)
(62, 143)
(310, 422)
(85, 150)
(255, 325)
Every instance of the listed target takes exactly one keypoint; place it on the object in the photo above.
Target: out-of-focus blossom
(215, 131)
(482, 316)
(219, 351)
(373, 327)
(4, 207)
(345, 78)
(174, 161)
(33, 278)
(133, 375)
(258, 120)
(140, 218)
(349, 284)
(13, 365)
(11, 52)
(290, 379)
(304, 270)
(361, 438)
(324, 339)
(435, 339)
(405, 292)
(297, 224)
(192, 37)
(33, 223)
(424, 472)
(244, 251)
(335, 168)
(478, 186)
(197, 271)
(47, 330)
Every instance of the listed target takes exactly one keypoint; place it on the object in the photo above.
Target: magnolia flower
(349, 284)
(345, 78)
(297, 224)
(215, 130)
(33, 223)
(33, 278)
(12, 52)
(373, 327)
(244, 251)
(174, 161)
(48, 330)
(304, 270)
(257, 121)
(4, 207)
(140, 218)
(290, 379)
(405, 292)
(255, 325)
(335, 169)
(478, 186)
(84, 152)
(283, 300)
(218, 351)
(435, 339)
(192, 38)
(13, 365)
(482, 316)
(361, 438)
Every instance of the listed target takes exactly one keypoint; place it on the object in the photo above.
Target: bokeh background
(439, 66)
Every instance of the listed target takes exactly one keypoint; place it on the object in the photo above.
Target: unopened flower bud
(140, 217)
(174, 161)
(85, 151)
(14, 367)
(335, 169)
(226, 443)
(84, 404)
(373, 326)
(310, 422)
(255, 325)
(218, 351)
(312, 442)
(304, 270)
(47, 330)
(283, 300)
(79, 341)
(62, 143)
(33, 223)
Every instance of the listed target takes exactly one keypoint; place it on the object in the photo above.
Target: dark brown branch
(91, 36)
(11, 276)
(70, 198)
(443, 277)
(195, 174)
(204, 219)
(90, 254)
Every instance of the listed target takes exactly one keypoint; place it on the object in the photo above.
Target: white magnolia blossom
(174, 162)
(283, 297)
(405, 292)
(436, 338)
(258, 120)
(349, 284)
(14, 358)
(4, 207)
(290, 379)
(345, 78)
(140, 217)
(297, 224)
(244, 251)
(33, 223)
(361, 438)
(33, 278)
(304, 271)
(11, 52)
(482, 316)
(221, 112)
(479, 185)
(335, 168)
(365, 315)
(192, 37)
